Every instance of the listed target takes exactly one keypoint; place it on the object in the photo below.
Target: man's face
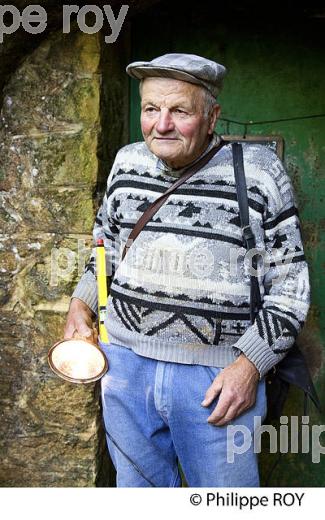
(173, 123)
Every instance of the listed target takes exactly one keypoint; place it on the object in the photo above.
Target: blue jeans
(152, 412)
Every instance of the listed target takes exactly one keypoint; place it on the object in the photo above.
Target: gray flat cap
(186, 67)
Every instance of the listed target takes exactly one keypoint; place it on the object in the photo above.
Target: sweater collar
(161, 165)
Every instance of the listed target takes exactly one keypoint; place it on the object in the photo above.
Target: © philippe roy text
(33, 19)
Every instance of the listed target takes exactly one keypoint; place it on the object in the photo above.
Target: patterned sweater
(182, 291)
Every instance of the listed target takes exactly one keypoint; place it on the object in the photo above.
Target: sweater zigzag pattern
(182, 291)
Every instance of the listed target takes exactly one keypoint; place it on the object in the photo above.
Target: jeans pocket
(213, 372)
(109, 346)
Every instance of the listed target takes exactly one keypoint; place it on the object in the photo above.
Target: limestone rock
(48, 173)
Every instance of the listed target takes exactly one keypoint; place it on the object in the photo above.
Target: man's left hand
(237, 385)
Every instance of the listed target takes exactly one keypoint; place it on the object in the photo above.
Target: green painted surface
(276, 70)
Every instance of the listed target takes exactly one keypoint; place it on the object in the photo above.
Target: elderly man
(184, 359)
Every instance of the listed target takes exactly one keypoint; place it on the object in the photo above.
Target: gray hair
(209, 102)
(208, 99)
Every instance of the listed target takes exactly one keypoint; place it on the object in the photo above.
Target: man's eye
(149, 109)
(180, 111)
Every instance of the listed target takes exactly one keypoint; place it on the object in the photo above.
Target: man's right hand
(79, 322)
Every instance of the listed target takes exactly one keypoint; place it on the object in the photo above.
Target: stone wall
(50, 129)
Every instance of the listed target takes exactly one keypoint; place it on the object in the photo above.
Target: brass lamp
(77, 361)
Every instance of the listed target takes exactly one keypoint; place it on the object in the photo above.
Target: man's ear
(215, 113)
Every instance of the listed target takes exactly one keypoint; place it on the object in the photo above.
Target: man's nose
(165, 122)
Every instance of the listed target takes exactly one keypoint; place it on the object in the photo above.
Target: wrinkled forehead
(168, 90)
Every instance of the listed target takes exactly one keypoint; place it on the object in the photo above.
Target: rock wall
(50, 127)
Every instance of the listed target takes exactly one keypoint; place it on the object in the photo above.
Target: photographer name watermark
(293, 436)
(33, 19)
(247, 501)
(190, 261)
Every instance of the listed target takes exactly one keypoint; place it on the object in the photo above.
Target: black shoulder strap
(248, 236)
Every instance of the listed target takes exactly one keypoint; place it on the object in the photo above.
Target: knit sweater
(182, 291)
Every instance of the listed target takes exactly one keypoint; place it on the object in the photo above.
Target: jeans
(154, 419)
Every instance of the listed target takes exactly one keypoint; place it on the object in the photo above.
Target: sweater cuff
(85, 292)
(257, 351)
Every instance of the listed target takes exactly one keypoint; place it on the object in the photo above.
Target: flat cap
(185, 67)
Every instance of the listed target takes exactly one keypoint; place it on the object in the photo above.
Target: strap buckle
(247, 232)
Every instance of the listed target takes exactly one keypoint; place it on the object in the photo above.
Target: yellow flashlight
(101, 289)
